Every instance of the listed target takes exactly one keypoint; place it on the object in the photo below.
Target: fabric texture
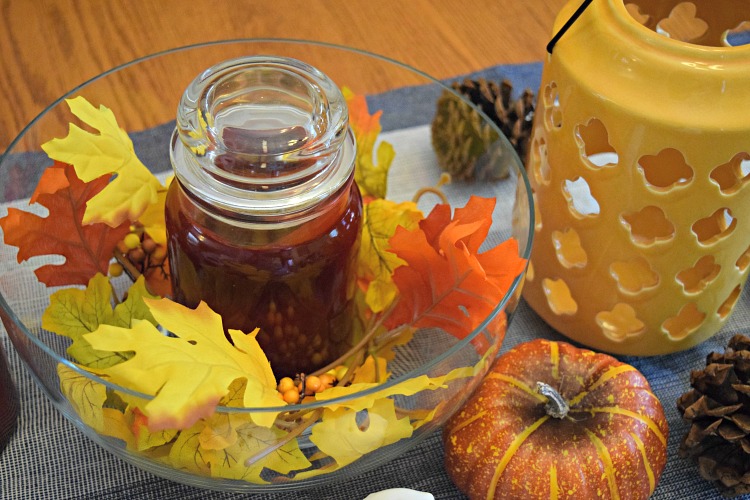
(48, 457)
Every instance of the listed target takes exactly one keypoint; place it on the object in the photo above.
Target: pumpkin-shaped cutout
(554, 421)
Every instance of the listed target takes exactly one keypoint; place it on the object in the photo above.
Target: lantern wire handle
(567, 25)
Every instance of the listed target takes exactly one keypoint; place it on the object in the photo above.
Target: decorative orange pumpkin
(554, 421)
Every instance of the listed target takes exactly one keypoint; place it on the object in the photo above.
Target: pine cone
(718, 406)
(465, 145)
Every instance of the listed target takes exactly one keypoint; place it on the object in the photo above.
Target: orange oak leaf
(446, 283)
(87, 248)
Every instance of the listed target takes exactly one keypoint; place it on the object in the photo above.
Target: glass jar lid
(262, 136)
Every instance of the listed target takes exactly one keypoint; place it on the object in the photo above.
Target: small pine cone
(465, 145)
(718, 408)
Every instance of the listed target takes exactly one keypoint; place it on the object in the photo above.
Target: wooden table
(47, 47)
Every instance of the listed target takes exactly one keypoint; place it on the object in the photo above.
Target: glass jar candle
(263, 216)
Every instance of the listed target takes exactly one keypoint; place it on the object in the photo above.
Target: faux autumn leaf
(86, 396)
(109, 152)
(88, 399)
(446, 284)
(191, 371)
(146, 440)
(228, 439)
(74, 313)
(251, 441)
(187, 453)
(133, 307)
(371, 174)
(117, 426)
(373, 370)
(87, 248)
(341, 436)
(221, 428)
(153, 217)
(376, 264)
(408, 387)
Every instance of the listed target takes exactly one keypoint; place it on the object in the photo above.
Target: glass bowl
(428, 375)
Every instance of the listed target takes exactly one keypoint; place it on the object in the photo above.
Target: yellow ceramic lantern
(639, 164)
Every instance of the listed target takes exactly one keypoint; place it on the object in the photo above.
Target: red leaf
(446, 283)
(87, 248)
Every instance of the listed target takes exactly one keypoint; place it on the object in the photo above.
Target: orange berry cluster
(295, 390)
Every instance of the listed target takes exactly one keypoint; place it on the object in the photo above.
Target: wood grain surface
(48, 47)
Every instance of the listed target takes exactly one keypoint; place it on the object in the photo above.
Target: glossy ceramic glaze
(639, 166)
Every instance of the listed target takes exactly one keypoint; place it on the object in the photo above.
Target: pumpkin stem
(556, 405)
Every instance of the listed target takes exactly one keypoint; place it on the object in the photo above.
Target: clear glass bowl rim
(423, 369)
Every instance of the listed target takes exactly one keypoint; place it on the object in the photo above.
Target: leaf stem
(115, 298)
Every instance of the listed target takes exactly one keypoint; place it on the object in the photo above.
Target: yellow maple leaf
(252, 440)
(117, 426)
(376, 264)
(186, 454)
(221, 428)
(225, 441)
(85, 395)
(408, 387)
(190, 371)
(110, 151)
(88, 397)
(371, 174)
(153, 217)
(374, 369)
(146, 440)
(340, 435)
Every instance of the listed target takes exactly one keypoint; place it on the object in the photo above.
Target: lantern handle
(567, 25)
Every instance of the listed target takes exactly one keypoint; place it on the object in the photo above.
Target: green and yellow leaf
(85, 395)
(190, 371)
(221, 428)
(376, 263)
(146, 440)
(186, 453)
(253, 440)
(73, 313)
(373, 370)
